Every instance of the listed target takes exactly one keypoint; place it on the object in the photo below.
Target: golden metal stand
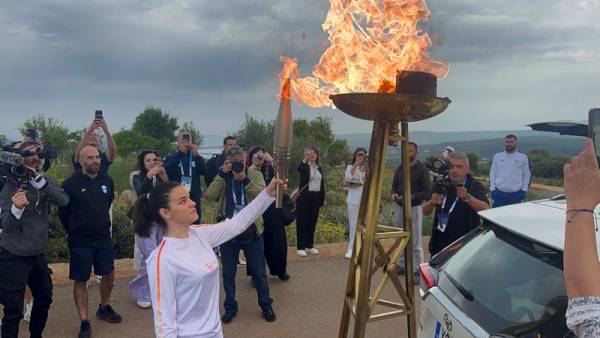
(369, 254)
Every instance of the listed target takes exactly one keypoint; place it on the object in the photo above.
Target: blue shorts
(101, 257)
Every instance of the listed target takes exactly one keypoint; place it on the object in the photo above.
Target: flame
(370, 41)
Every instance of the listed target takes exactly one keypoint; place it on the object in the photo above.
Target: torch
(282, 141)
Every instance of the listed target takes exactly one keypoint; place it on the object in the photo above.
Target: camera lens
(237, 167)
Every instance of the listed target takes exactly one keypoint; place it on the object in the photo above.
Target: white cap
(450, 148)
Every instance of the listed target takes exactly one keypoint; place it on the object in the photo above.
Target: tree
(256, 132)
(337, 152)
(2, 139)
(473, 162)
(130, 143)
(51, 132)
(154, 123)
(197, 138)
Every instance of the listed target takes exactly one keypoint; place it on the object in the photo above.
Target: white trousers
(352, 220)
(416, 232)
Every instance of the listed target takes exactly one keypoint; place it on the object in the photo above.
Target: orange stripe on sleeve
(159, 308)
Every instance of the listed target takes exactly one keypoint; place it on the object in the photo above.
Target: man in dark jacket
(420, 186)
(456, 208)
(23, 243)
(186, 166)
(213, 166)
(87, 222)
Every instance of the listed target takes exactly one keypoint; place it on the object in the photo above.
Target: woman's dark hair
(316, 152)
(141, 157)
(146, 209)
(253, 150)
(358, 150)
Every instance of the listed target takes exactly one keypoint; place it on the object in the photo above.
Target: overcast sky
(512, 62)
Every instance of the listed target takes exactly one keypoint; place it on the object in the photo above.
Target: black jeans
(307, 215)
(15, 273)
(255, 260)
(275, 241)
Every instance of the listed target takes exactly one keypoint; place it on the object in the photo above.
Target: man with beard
(23, 243)
(87, 222)
(420, 185)
(457, 206)
(91, 138)
(509, 175)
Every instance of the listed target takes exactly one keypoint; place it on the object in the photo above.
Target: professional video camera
(12, 168)
(440, 169)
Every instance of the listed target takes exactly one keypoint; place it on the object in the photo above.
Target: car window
(508, 284)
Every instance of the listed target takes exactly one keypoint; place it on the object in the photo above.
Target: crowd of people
(180, 258)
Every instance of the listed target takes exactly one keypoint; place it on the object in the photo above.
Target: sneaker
(241, 262)
(417, 278)
(228, 317)
(269, 315)
(85, 329)
(301, 253)
(144, 304)
(348, 255)
(27, 314)
(98, 279)
(106, 312)
(283, 276)
(312, 251)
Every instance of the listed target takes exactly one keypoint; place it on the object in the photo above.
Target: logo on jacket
(104, 189)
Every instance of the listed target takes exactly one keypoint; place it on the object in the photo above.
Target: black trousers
(307, 214)
(275, 241)
(15, 273)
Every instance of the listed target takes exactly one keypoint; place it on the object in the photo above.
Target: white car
(503, 279)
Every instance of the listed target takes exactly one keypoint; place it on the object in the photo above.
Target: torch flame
(370, 41)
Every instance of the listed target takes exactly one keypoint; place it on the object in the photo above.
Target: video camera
(12, 168)
(440, 168)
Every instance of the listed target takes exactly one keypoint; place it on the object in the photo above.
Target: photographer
(216, 162)
(186, 166)
(92, 139)
(234, 187)
(23, 243)
(455, 208)
(420, 186)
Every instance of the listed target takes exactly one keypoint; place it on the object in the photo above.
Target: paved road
(308, 305)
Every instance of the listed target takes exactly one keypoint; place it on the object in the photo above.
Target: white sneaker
(98, 279)
(27, 314)
(301, 253)
(144, 305)
(348, 255)
(241, 262)
(312, 251)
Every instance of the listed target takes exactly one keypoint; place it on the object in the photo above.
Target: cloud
(212, 61)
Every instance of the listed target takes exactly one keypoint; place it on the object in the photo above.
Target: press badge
(443, 221)
(186, 182)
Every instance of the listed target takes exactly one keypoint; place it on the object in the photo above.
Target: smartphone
(186, 137)
(32, 134)
(594, 128)
(98, 115)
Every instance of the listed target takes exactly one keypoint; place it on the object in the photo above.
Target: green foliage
(197, 138)
(52, 132)
(473, 161)
(160, 126)
(120, 170)
(130, 142)
(545, 165)
(122, 232)
(58, 249)
(338, 152)
(256, 132)
(2, 139)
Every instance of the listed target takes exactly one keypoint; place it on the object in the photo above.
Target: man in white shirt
(509, 175)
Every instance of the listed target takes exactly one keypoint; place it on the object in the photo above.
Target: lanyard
(189, 168)
(451, 207)
(234, 197)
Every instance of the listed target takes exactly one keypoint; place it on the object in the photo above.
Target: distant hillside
(434, 138)
(558, 146)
